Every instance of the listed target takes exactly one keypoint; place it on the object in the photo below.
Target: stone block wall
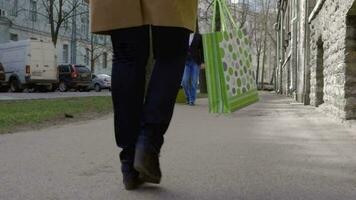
(350, 65)
(328, 34)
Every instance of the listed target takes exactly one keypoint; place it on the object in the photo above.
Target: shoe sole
(133, 186)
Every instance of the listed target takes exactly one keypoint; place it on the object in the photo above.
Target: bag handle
(216, 5)
(223, 12)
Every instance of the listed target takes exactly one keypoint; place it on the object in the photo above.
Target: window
(82, 69)
(65, 53)
(14, 8)
(33, 10)
(2, 12)
(84, 26)
(66, 69)
(105, 60)
(14, 37)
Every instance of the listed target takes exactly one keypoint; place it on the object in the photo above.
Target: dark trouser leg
(131, 50)
(170, 48)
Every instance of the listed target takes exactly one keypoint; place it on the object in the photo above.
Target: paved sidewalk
(275, 149)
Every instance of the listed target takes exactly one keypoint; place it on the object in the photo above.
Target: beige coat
(108, 15)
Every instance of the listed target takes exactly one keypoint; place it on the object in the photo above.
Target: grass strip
(15, 115)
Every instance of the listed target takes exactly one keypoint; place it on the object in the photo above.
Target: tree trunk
(264, 62)
(92, 65)
(258, 67)
(92, 60)
(273, 76)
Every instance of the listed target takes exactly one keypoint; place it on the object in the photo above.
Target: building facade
(28, 19)
(317, 54)
(292, 43)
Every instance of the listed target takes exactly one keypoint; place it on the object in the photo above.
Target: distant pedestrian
(192, 67)
(141, 121)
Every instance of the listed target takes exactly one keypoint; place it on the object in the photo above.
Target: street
(50, 95)
(273, 150)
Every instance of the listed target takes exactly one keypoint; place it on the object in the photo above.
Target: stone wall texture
(333, 37)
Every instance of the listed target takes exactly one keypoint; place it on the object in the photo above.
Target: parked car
(101, 81)
(2, 79)
(74, 77)
(28, 64)
(2, 73)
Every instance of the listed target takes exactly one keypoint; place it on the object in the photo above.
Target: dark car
(74, 77)
(2, 73)
(3, 88)
(101, 81)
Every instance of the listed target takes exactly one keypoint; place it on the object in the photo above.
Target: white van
(28, 64)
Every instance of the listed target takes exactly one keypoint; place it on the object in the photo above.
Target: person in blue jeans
(192, 67)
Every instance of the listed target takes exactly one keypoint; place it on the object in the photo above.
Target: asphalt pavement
(273, 150)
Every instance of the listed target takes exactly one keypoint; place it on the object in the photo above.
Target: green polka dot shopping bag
(230, 75)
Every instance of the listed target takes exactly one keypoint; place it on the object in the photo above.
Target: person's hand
(202, 66)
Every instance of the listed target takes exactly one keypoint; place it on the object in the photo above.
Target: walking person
(192, 67)
(141, 121)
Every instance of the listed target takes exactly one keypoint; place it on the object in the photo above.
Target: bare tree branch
(58, 12)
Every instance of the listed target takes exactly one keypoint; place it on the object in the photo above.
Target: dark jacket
(195, 51)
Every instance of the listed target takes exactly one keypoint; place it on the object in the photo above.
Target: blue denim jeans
(190, 80)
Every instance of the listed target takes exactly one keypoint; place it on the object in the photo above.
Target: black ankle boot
(147, 161)
(131, 177)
